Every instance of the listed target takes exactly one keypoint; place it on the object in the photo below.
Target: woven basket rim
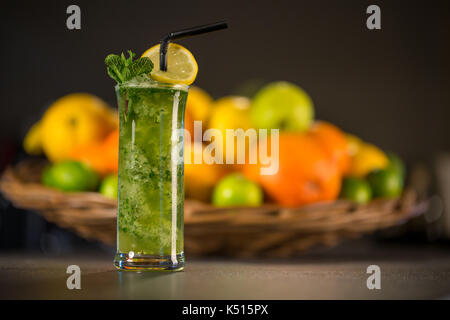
(17, 191)
(265, 229)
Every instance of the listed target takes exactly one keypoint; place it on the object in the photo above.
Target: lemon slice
(181, 65)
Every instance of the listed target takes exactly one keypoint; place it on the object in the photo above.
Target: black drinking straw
(183, 34)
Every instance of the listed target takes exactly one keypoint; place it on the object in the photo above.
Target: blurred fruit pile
(317, 160)
(79, 135)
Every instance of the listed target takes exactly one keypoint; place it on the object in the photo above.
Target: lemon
(231, 112)
(33, 140)
(73, 121)
(199, 104)
(181, 65)
(353, 144)
(367, 158)
(198, 108)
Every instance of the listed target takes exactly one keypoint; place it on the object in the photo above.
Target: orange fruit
(102, 156)
(306, 174)
(189, 124)
(333, 140)
(110, 148)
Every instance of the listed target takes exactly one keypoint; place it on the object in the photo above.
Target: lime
(356, 190)
(386, 183)
(70, 176)
(397, 164)
(46, 176)
(236, 190)
(282, 105)
(109, 186)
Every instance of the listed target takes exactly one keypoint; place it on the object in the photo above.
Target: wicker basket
(268, 230)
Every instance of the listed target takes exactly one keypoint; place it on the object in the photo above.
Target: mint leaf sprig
(123, 69)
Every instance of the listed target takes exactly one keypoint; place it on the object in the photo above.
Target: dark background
(388, 86)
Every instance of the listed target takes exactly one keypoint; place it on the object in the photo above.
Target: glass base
(142, 262)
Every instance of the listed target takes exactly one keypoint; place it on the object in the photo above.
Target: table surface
(407, 272)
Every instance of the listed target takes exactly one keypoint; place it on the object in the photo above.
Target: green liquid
(150, 205)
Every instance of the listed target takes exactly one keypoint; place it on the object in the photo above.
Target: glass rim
(153, 84)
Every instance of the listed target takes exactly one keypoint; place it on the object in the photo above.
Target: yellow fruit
(181, 65)
(353, 144)
(199, 104)
(198, 108)
(75, 120)
(231, 113)
(33, 140)
(200, 179)
(367, 158)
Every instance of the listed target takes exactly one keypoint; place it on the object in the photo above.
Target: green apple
(282, 105)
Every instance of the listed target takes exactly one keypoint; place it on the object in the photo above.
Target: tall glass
(150, 205)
